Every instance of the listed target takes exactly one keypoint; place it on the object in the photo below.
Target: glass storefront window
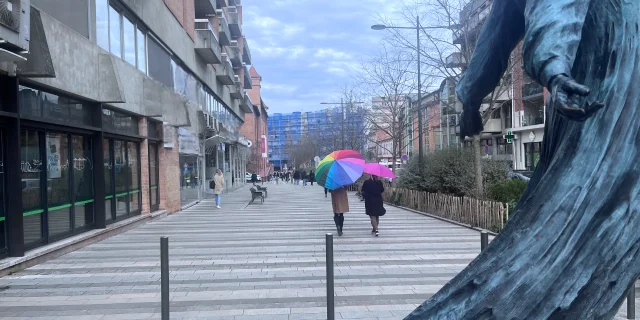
(31, 167)
(29, 102)
(3, 231)
(129, 38)
(49, 107)
(58, 201)
(119, 122)
(114, 32)
(108, 181)
(123, 187)
(82, 181)
(142, 51)
(189, 179)
(532, 155)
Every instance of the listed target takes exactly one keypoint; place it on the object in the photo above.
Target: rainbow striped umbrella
(340, 168)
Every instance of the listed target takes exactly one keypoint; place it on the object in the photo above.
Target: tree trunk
(477, 148)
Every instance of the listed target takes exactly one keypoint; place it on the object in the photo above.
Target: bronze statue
(572, 247)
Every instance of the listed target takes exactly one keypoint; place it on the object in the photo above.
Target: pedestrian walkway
(263, 261)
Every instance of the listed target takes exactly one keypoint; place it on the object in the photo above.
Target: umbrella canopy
(379, 170)
(340, 168)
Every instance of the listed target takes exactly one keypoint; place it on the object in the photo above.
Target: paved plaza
(262, 261)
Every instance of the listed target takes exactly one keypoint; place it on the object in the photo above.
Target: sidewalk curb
(443, 219)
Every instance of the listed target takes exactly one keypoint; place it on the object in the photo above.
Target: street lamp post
(417, 28)
(341, 103)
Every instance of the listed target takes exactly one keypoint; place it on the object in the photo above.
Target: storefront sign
(168, 133)
(532, 136)
(188, 143)
(263, 146)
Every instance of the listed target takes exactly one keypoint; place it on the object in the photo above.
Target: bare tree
(449, 35)
(389, 76)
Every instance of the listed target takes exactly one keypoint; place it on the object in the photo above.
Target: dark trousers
(338, 218)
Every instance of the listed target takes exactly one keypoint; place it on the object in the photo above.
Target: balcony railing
(532, 119)
(224, 73)
(207, 46)
(246, 53)
(236, 88)
(234, 54)
(234, 22)
(223, 27)
(204, 8)
(247, 77)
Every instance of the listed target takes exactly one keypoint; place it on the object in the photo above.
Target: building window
(119, 122)
(159, 64)
(123, 195)
(532, 155)
(43, 106)
(102, 23)
(57, 185)
(154, 177)
(141, 41)
(504, 147)
(115, 37)
(129, 39)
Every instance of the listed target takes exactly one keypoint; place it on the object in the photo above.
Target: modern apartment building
(331, 129)
(113, 109)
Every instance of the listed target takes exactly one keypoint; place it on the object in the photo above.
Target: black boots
(339, 220)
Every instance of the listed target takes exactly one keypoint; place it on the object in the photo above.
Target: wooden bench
(262, 189)
(256, 194)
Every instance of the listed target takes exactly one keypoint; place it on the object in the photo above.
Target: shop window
(83, 181)
(58, 184)
(108, 179)
(119, 122)
(154, 129)
(123, 193)
(43, 106)
(504, 147)
(154, 177)
(3, 215)
(31, 167)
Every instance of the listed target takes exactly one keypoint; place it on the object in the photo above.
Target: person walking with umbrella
(372, 190)
(336, 171)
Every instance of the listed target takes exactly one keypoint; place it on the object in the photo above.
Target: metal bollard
(164, 277)
(484, 240)
(631, 302)
(330, 296)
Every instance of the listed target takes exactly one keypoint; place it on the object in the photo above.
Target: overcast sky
(304, 49)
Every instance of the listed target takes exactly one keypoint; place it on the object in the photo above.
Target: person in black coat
(312, 177)
(372, 190)
(254, 178)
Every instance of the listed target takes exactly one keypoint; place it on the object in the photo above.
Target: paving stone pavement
(262, 261)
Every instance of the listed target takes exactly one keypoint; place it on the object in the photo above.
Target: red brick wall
(170, 176)
(184, 12)
(144, 166)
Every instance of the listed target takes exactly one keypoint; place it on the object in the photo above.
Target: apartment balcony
(223, 28)
(235, 54)
(246, 53)
(246, 104)
(247, 77)
(236, 89)
(234, 22)
(221, 4)
(204, 8)
(224, 72)
(493, 125)
(455, 60)
(532, 90)
(207, 46)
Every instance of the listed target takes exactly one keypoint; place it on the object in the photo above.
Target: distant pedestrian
(296, 177)
(303, 176)
(254, 178)
(372, 190)
(312, 177)
(218, 179)
(340, 204)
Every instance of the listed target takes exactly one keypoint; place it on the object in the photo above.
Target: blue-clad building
(325, 126)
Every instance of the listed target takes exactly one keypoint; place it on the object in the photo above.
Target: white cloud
(330, 53)
(278, 88)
